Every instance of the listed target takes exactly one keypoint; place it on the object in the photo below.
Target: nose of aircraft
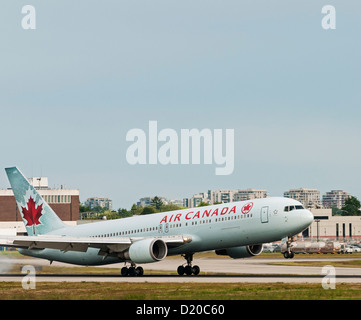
(307, 217)
(298, 220)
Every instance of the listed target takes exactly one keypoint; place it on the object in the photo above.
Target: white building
(196, 200)
(147, 201)
(248, 194)
(310, 198)
(99, 202)
(223, 196)
(335, 199)
(327, 226)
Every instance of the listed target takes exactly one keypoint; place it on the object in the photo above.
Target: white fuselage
(210, 228)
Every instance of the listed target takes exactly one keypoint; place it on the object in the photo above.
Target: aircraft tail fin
(38, 216)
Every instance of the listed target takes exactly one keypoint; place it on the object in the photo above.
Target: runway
(183, 279)
(215, 270)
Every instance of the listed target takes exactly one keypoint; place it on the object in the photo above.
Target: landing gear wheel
(188, 269)
(180, 270)
(132, 271)
(124, 271)
(288, 254)
(139, 271)
(196, 270)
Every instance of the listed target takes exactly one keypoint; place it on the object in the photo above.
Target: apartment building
(248, 194)
(335, 199)
(99, 202)
(223, 196)
(310, 198)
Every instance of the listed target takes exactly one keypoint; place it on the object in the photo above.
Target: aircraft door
(163, 228)
(264, 214)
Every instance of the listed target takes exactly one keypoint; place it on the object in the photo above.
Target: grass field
(178, 291)
(311, 263)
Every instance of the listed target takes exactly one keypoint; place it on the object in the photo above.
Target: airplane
(236, 229)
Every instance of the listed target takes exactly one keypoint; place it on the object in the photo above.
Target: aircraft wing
(81, 244)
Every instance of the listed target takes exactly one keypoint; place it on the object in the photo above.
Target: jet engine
(146, 251)
(241, 252)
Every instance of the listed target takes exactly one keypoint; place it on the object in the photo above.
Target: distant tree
(136, 209)
(352, 207)
(100, 209)
(110, 215)
(203, 204)
(336, 211)
(149, 210)
(83, 208)
(156, 203)
(170, 207)
(85, 212)
(123, 213)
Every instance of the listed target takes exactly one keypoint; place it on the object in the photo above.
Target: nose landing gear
(288, 254)
(188, 269)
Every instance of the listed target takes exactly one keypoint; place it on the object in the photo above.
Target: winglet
(38, 216)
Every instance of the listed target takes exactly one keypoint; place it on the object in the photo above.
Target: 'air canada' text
(197, 214)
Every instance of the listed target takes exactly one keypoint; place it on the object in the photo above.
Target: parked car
(355, 249)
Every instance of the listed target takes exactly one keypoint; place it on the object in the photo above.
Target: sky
(72, 88)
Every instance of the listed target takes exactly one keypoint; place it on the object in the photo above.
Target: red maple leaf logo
(32, 214)
(247, 207)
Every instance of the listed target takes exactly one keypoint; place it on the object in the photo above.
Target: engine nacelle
(146, 251)
(241, 252)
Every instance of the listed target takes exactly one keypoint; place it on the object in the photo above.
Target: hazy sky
(93, 70)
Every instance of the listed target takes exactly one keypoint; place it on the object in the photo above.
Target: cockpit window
(290, 208)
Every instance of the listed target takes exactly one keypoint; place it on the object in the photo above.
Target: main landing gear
(188, 269)
(132, 271)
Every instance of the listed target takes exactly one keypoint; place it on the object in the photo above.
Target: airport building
(327, 226)
(65, 202)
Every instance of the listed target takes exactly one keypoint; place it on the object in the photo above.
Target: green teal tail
(37, 215)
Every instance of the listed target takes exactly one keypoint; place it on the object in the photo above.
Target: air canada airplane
(235, 229)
